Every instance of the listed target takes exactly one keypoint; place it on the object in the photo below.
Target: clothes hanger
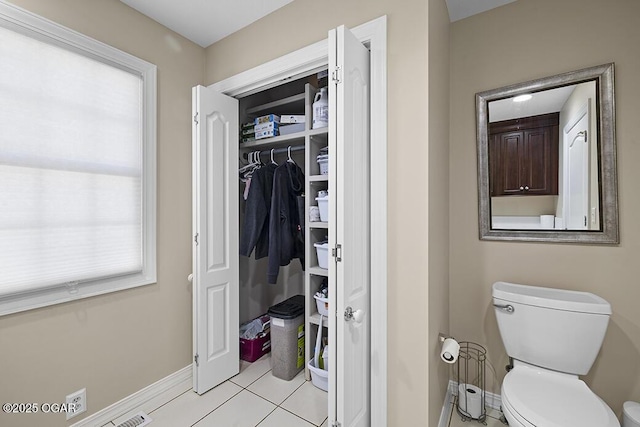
(249, 164)
(272, 160)
(289, 159)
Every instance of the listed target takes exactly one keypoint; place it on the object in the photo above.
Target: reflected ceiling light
(522, 98)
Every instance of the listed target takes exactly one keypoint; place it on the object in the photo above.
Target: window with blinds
(77, 165)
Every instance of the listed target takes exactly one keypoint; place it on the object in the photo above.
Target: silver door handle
(508, 307)
(355, 315)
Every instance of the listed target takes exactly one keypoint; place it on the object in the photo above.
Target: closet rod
(277, 150)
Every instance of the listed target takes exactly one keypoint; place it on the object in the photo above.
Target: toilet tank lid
(560, 299)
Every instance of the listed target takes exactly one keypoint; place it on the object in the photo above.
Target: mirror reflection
(543, 160)
(547, 159)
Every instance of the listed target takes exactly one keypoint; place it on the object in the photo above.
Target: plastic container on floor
(287, 337)
(319, 377)
(254, 348)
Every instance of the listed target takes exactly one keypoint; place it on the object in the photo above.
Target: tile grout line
(218, 407)
(268, 415)
(302, 418)
(251, 383)
(285, 399)
(165, 403)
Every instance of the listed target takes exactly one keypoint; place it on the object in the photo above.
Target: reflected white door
(576, 186)
(215, 249)
(349, 274)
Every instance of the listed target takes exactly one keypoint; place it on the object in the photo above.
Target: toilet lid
(554, 400)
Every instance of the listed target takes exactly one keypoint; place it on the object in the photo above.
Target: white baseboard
(445, 414)
(136, 399)
(491, 400)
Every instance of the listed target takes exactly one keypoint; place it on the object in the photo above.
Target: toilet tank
(555, 329)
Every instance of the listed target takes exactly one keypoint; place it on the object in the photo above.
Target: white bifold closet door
(215, 201)
(215, 254)
(349, 275)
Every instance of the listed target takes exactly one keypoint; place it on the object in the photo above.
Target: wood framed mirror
(547, 159)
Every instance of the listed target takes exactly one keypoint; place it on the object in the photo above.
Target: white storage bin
(319, 377)
(323, 305)
(323, 205)
(323, 162)
(322, 250)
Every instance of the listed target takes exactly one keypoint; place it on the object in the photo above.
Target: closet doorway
(357, 388)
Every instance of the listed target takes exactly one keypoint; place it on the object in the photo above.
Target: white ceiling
(460, 9)
(206, 21)
(547, 101)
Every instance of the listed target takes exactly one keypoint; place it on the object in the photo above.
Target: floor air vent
(138, 420)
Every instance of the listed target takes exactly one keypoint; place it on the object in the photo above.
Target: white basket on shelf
(323, 305)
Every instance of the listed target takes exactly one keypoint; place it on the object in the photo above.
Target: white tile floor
(492, 420)
(255, 398)
(252, 398)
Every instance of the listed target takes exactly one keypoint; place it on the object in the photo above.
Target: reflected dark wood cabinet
(523, 156)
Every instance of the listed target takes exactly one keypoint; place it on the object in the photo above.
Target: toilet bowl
(631, 414)
(539, 397)
(552, 336)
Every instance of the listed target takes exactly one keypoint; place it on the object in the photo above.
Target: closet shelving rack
(313, 141)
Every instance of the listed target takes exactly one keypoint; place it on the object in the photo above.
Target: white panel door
(576, 192)
(349, 282)
(215, 250)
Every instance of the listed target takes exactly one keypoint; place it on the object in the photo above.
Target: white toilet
(553, 335)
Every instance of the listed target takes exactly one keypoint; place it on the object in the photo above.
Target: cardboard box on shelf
(266, 126)
(266, 133)
(266, 119)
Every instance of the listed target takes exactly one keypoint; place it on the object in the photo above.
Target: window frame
(31, 25)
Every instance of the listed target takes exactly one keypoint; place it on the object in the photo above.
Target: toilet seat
(542, 398)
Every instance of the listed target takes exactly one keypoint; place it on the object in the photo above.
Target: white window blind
(72, 168)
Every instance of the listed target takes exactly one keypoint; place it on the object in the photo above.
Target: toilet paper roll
(547, 221)
(450, 350)
(470, 400)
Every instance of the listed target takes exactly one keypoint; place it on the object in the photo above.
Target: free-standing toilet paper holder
(471, 382)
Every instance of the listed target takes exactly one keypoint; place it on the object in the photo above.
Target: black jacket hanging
(255, 226)
(286, 230)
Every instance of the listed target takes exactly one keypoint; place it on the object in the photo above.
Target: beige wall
(521, 41)
(95, 343)
(119, 343)
(304, 22)
(438, 201)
